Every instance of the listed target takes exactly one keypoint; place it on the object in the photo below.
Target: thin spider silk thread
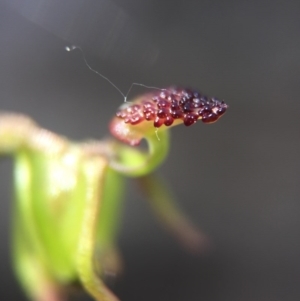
(71, 48)
(74, 47)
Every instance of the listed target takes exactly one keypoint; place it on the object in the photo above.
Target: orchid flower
(68, 194)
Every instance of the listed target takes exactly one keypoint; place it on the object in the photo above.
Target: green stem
(133, 162)
(94, 170)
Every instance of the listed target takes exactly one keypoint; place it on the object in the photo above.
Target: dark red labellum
(164, 107)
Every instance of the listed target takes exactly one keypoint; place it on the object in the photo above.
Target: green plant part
(67, 207)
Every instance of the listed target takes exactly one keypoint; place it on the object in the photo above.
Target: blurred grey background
(238, 179)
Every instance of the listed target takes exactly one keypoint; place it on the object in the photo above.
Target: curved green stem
(133, 162)
(94, 171)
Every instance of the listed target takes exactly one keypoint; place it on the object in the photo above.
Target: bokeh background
(238, 179)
